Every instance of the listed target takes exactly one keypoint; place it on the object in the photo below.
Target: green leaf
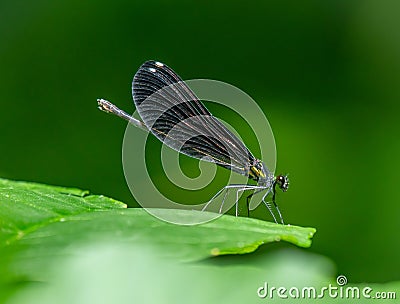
(226, 235)
(5, 183)
(40, 224)
(26, 207)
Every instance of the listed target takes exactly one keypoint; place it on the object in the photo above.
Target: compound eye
(283, 182)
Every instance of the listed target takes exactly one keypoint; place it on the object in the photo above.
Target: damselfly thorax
(169, 109)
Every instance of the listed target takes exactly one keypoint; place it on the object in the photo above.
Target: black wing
(173, 113)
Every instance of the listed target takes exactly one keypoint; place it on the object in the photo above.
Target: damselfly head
(283, 182)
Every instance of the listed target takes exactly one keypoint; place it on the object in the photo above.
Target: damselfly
(164, 101)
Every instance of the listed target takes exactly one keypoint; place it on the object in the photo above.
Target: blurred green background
(326, 74)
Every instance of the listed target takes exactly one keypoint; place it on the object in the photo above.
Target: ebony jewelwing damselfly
(163, 101)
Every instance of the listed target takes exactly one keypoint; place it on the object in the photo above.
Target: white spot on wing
(152, 70)
(159, 64)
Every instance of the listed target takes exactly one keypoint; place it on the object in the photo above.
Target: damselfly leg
(223, 200)
(269, 207)
(248, 200)
(227, 188)
(267, 204)
(240, 188)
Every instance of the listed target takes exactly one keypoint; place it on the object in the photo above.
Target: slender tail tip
(104, 105)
